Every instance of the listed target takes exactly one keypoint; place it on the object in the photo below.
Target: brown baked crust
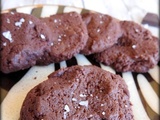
(103, 32)
(81, 93)
(137, 50)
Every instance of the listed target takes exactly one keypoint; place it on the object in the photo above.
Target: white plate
(143, 87)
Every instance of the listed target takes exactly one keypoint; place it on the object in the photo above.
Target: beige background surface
(97, 5)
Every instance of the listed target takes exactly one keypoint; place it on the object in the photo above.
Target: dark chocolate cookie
(69, 37)
(78, 93)
(137, 50)
(24, 38)
(103, 32)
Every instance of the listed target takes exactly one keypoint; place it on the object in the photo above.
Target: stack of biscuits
(27, 41)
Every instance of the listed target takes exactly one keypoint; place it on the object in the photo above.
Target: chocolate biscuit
(24, 38)
(136, 51)
(78, 93)
(69, 37)
(103, 32)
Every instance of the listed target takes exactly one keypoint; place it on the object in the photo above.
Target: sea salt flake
(59, 36)
(98, 30)
(137, 30)
(19, 23)
(83, 95)
(102, 104)
(90, 116)
(55, 21)
(66, 108)
(22, 20)
(52, 44)
(84, 103)
(108, 37)
(4, 44)
(77, 80)
(126, 105)
(59, 40)
(8, 20)
(101, 22)
(8, 35)
(30, 22)
(42, 36)
(103, 113)
(134, 46)
(65, 115)
(74, 99)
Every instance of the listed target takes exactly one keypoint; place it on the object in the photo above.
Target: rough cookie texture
(103, 32)
(24, 38)
(137, 50)
(78, 93)
(69, 37)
